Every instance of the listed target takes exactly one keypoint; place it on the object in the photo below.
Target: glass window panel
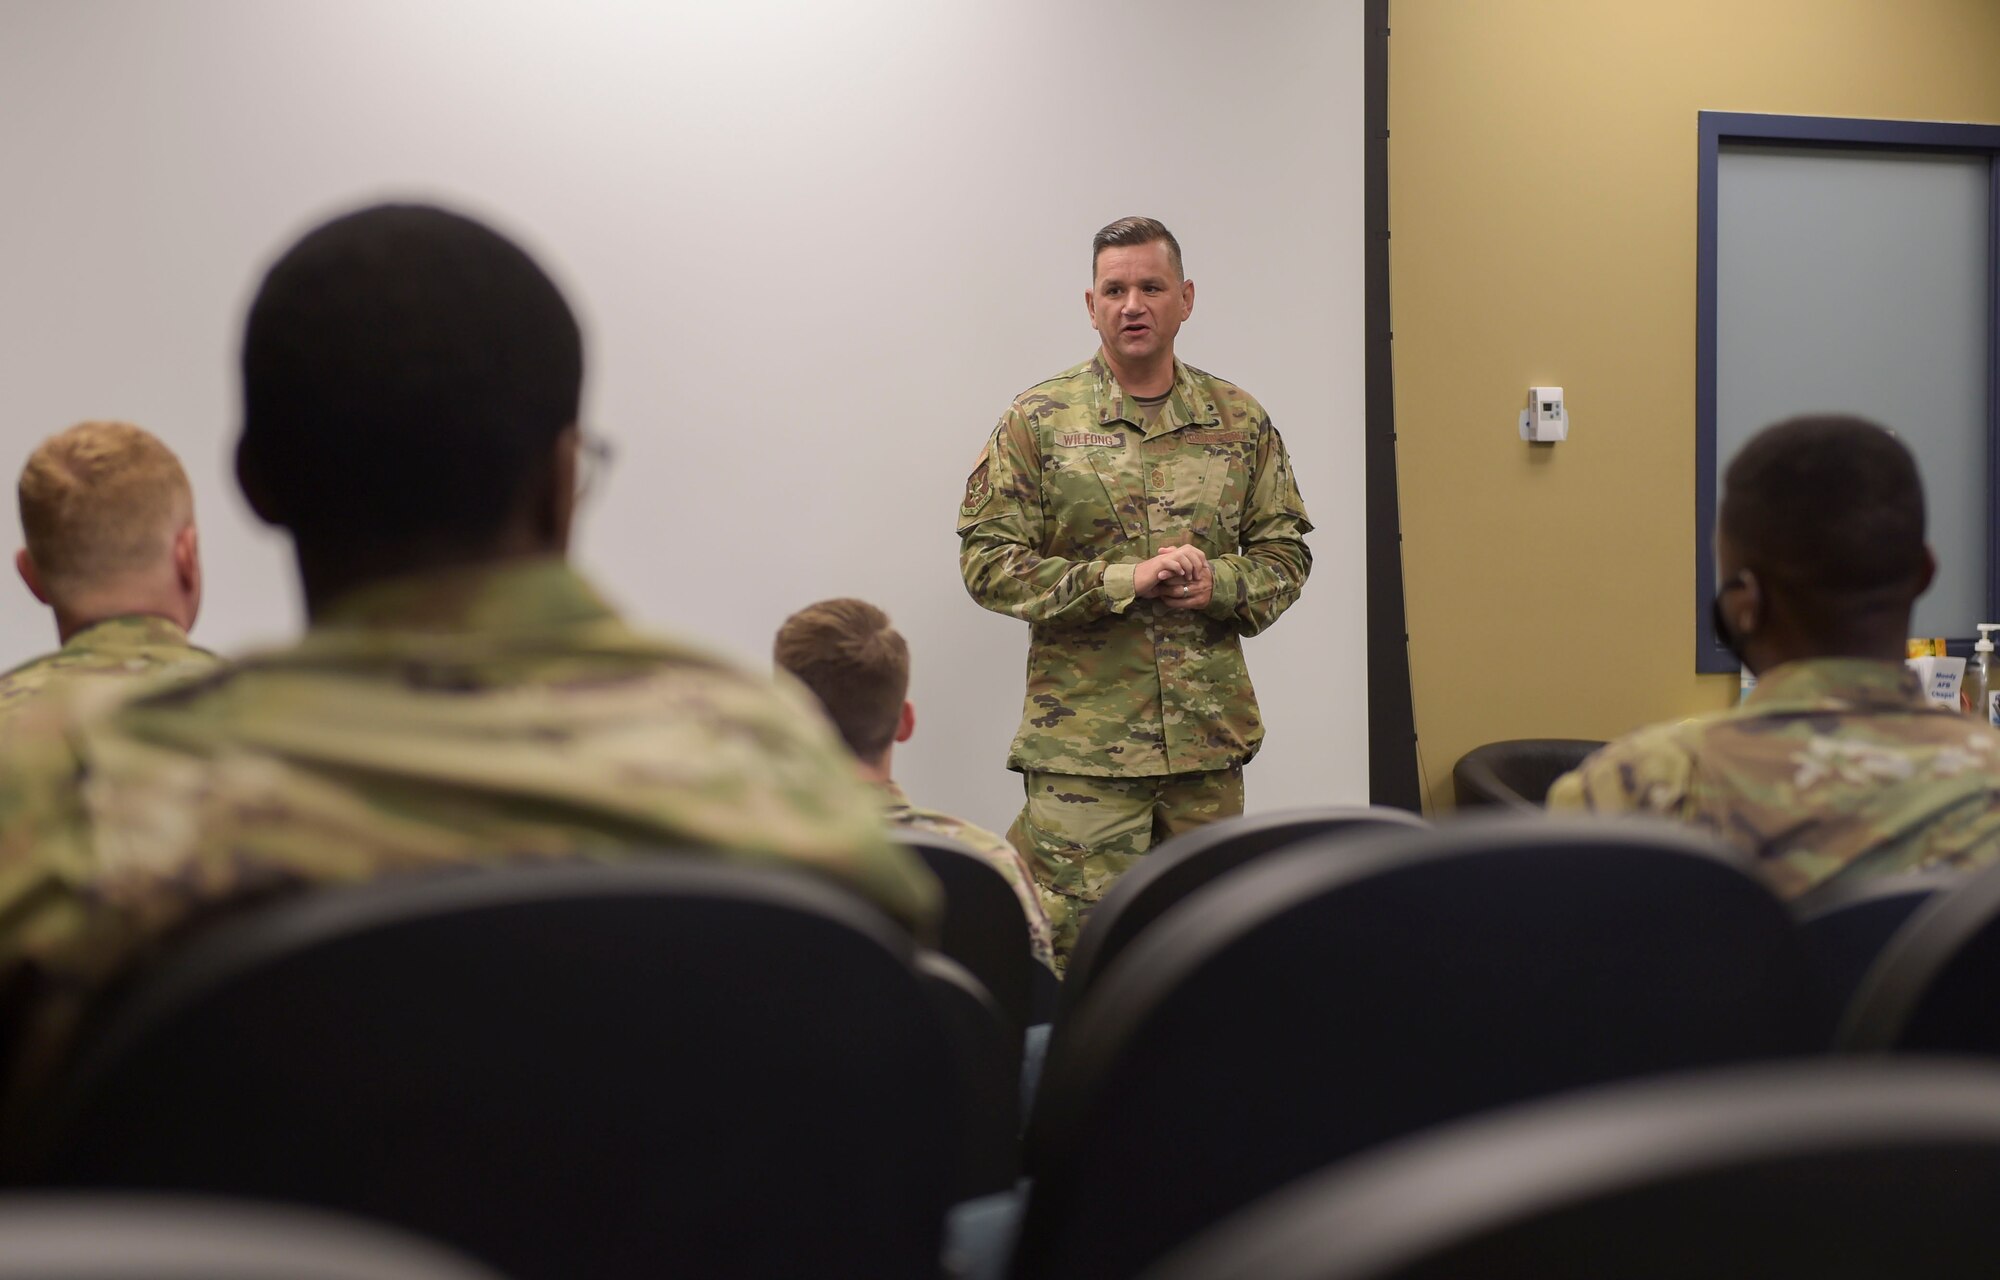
(1856, 281)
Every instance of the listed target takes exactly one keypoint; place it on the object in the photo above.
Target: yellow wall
(1542, 210)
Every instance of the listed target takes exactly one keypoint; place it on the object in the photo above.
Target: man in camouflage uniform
(858, 666)
(1140, 515)
(1836, 764)
(108, 518)
(411, 386)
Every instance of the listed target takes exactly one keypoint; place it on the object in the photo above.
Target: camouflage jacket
(1069, 496)
(137, 645)
(1830, 767)
(494, 714)
(1006, 859)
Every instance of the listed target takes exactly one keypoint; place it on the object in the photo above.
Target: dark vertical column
(1710, 654)
(1392, 728)
(1992, 388)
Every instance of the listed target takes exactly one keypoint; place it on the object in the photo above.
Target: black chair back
(1517, 773)
(123, 1237)
(988, 1057)
(983, 928)
(1936, 985)
(1311, 1006)
(1848, 921)
(1190, 861)
(1833, 1171)
(564, 1070)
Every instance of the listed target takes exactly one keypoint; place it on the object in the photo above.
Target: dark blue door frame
(1720, 127)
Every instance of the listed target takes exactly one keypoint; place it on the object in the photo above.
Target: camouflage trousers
(1078, 834)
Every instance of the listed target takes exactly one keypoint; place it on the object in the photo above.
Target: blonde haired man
(108, 518)
(461, 695)
(858, 666)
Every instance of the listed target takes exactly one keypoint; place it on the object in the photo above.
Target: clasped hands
(1178, 577)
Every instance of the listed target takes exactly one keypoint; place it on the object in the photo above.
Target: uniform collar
(127, 633)
(894, 799)
(513, 597)
(1188, 404)
(1836, 684)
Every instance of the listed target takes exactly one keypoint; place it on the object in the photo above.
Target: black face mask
(1725, 637)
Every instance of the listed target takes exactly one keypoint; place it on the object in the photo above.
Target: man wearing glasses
(411, 386)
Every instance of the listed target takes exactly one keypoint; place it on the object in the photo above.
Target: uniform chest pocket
(1218, 475)
(1092, 497)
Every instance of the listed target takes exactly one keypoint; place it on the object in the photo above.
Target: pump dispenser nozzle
(1980, 694)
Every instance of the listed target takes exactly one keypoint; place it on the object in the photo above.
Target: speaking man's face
(1138, 301)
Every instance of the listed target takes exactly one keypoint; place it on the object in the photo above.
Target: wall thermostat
(1545, 420)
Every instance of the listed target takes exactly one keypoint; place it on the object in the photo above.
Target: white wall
(816, 246)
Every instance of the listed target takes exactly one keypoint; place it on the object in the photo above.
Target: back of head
(101, 502)
(406, 372)
(855, 663)
(1830, 510)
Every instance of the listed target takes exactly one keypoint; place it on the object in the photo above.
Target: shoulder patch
(978, 488)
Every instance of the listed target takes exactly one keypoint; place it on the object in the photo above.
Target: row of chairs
(1836, 1171)
(667, 1066)
(1356, 988)
(574, 1071)
(1322, 994)
(1847, 923)
(1840, 1172)
(1833, 1173)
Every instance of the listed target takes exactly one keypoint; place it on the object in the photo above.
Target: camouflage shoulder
(1229, 397)
(803, 796)
(943, 824)
(171, 687)
(43, 760)
(1013, 444)
(1050, 387)
(40, 662)
(45, 719)
(27, 682)
(979, 481)
(178, 686)
(703, 667)
(1648, 770)
(1215, 380)
(66, 675)
(999, 855)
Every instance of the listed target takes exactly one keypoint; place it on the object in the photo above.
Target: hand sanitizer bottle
(1982, 690)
